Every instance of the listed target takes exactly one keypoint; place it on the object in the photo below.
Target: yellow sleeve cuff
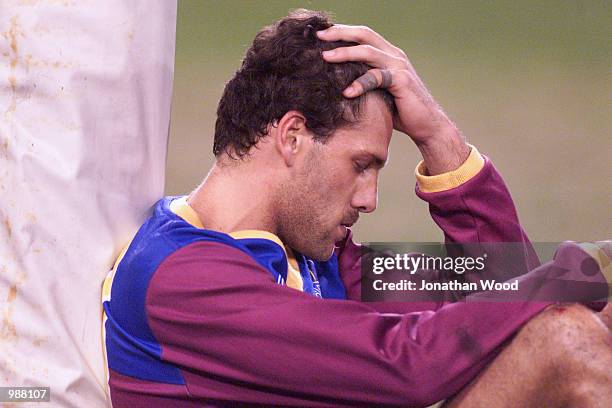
(600, 255)
(445, 181)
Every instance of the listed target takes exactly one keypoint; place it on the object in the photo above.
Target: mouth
(342, 231)
(350, 222)
(343, 228)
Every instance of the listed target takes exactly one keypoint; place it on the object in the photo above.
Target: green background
(527, 82)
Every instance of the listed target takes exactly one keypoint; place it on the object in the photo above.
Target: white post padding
(85, 95)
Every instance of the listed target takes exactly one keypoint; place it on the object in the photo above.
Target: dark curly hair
(283, 70)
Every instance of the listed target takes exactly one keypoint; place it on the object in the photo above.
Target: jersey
(195, 317)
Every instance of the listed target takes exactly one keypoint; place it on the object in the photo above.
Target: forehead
(370, 135)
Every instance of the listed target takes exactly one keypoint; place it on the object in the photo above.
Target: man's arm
(470, 204)
(468, 198)
(238, 336)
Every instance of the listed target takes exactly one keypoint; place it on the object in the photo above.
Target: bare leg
(561, 358)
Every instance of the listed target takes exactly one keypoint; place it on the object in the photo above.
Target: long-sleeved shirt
(195, 317)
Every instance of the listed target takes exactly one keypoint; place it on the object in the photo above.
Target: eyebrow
(371, 157)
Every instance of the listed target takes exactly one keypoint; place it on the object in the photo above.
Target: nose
(365, 198)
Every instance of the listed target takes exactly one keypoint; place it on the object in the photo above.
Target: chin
(316, 249)
(320, 254)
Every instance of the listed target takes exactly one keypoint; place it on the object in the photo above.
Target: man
(246, 291)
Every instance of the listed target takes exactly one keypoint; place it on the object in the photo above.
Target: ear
(291, 136)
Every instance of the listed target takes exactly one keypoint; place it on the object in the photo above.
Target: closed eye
(361, 167)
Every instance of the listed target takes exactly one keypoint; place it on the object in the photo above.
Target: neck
(234, 198)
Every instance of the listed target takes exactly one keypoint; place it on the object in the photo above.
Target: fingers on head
(373, 79)
(367, 82)
(343, 32)
(363, 53)
(358, 34)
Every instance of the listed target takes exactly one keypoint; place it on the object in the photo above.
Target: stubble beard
(301, 214)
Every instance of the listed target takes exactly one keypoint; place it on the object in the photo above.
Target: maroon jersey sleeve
(480, 209)
(238, 336)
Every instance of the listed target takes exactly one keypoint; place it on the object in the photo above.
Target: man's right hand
(419, 115)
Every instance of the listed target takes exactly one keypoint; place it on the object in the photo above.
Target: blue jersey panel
(131, 347)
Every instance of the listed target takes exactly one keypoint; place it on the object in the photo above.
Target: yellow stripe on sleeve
(445, 181)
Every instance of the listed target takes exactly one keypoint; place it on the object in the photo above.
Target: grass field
(528, 84)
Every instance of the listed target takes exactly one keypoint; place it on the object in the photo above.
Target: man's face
(334, 183)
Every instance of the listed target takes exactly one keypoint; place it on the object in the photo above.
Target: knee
(568, 334)
(566, 323)
(575, 348)
(573, 335)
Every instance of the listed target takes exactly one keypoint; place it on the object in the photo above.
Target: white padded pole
(85, 94)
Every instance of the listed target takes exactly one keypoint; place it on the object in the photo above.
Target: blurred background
(527, 82)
